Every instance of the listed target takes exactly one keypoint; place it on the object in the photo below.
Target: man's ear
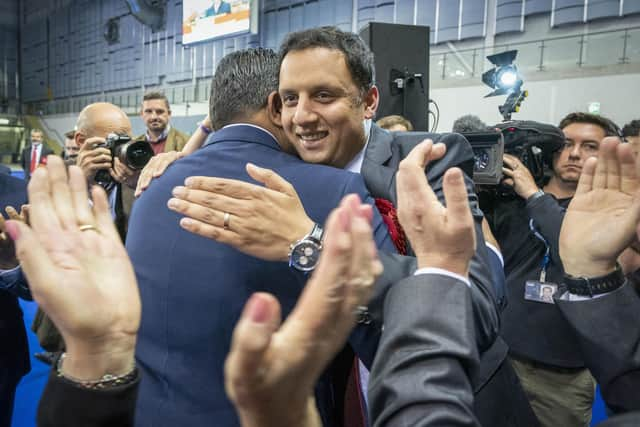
(79, 139)
(371, 100)
(274, 108)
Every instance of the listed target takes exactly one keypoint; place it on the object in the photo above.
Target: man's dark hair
(154, 94)
(358, 56)
(632, 128)
(469, 123)
(609, 127)
(241, 85)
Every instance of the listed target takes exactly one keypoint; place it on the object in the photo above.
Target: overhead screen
(205, 19)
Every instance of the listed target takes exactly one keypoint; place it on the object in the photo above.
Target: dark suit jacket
(427, 350)
(193, 289)
(608, 333)
(14, 351)
(382, 157)
(25, 158)
(64, 403)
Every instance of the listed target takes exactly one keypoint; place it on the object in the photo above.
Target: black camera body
(488, 148)
(134, 154)
(533, 143)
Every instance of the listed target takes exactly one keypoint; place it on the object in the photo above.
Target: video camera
(532, 142)
(134, 154)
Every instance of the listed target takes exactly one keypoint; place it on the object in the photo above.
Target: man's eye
(324, 96)
(289, 99)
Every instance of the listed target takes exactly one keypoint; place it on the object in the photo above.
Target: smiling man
(156, 114)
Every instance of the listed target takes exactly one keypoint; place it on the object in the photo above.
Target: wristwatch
(590, 286)
(304, 254)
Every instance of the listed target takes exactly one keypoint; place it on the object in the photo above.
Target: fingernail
(186, 222)
(257, 309)
(251, 166)
(12, 230)
(173, 203)
(179, 191)
(188, 181)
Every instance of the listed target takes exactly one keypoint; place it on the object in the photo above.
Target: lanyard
(547, 258)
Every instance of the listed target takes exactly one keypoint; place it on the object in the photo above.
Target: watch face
(305, 255)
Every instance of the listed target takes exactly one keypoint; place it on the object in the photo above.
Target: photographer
(527, 227)
(95, 123)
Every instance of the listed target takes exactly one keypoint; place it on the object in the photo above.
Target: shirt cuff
(568, 296)
(496, 251)
(13, 270)
(434, 270)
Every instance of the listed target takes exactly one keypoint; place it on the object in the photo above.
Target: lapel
(378, 170)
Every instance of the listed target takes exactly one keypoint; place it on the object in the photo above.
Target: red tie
(34, 154)
(390, 218)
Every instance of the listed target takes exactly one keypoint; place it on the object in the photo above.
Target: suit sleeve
(14, 282)
(427, 351)
(64, 403)
(548, 215)
(609, 337)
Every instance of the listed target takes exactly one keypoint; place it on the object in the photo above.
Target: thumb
(251, 338)
(270, 179)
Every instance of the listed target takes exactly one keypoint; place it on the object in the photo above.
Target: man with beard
(156, 114)
(542, 345)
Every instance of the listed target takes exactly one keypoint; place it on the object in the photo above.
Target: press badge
(535, 290)
(540, 290)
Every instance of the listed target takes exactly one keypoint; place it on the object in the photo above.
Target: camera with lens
(533, 143)
(133, 154)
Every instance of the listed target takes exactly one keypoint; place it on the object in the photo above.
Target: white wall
(548, 101)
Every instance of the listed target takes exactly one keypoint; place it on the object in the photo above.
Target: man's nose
(304, 114)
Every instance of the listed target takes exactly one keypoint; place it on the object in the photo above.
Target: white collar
(355, 165)
(253, 126)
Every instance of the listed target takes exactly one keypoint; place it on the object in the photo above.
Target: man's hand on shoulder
(260, 221)
(155, 168)
(442, 237)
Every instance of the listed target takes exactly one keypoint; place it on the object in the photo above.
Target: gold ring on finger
(226, 219)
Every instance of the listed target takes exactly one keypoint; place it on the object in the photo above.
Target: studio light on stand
(505, 79)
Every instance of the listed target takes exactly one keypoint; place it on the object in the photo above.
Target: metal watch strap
(590, 286)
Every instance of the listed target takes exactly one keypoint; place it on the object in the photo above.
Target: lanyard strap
(547, 258)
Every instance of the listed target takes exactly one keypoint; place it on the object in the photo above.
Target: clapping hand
(78, 271)
(272, 368)
(441, 237)
(604, 213)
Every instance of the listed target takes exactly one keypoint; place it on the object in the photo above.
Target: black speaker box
(402, 70)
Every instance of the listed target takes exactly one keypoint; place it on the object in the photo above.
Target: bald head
(99, 120)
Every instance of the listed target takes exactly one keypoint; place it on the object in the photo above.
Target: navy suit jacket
(193, 289)
(14, 351)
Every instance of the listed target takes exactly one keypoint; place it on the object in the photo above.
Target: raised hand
(271, 368)
(262, 222)
(78, 271)
(603, 215)
(441, 237)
